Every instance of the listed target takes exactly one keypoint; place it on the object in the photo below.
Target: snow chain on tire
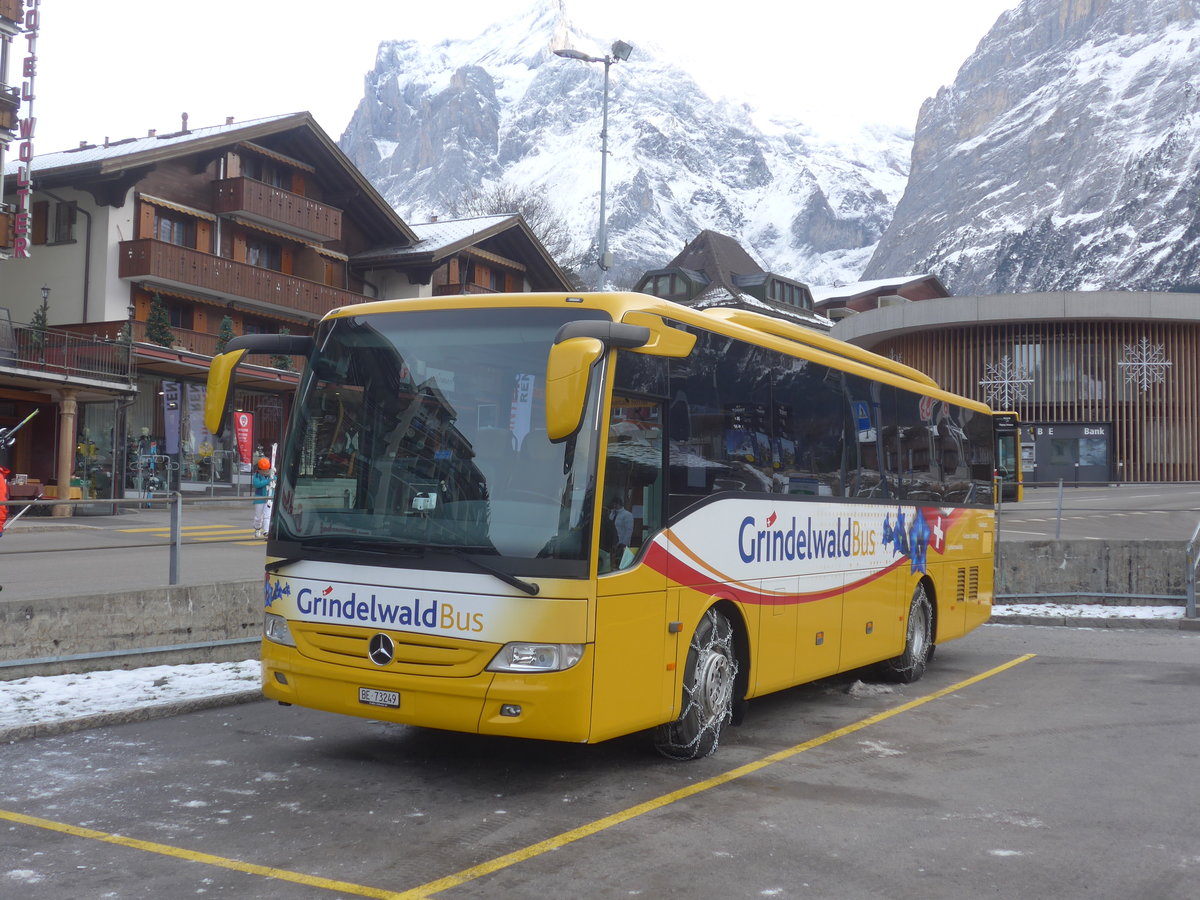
(910, 665)
(708, 682)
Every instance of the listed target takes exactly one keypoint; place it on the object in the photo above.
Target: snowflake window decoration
(1005, 384)
(1145, 364)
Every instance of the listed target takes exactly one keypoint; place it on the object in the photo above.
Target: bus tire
(918, 642)
(708, 682)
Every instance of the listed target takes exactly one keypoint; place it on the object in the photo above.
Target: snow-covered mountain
(502, 108)
(1065, 156)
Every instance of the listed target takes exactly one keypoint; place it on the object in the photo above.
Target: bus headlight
(519, 657)
(275, 628)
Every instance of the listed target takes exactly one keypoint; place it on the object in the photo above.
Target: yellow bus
(573, 517)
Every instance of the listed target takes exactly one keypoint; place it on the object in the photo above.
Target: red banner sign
(243, 429)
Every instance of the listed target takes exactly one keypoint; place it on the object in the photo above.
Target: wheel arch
(935, 610)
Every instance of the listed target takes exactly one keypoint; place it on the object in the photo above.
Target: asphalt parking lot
(1030, 762)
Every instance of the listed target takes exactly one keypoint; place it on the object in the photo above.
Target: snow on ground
(1087, 610)
(46, 700)
(56, 698)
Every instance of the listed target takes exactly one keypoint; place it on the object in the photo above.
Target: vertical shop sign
(521, 413)
(243, 430)
(171, 417)
(197, 432)
(23, 220)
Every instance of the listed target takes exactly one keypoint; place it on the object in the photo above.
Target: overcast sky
(117, 70)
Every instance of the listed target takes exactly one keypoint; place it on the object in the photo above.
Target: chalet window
(179, 314)
(258, 326)
(668, 286)
(497, 280)
(64, 222)
(174, 228)
(267, 171)
(264, 255)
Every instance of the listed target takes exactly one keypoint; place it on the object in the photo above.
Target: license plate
(372, 697)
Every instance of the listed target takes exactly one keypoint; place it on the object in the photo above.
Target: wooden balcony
(13, 10)
(191, 270)
(10, 105)
(277, 208)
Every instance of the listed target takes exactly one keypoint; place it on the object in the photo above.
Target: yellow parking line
(575, 834)
(186, 529)
(509, 859)
(193, 856)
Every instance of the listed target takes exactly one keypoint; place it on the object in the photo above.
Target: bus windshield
(421, 430)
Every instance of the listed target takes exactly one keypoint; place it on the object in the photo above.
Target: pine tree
(158, 324)
(225, 334)
(37, 327)
(282, 362)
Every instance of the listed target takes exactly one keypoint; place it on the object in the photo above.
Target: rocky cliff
(1065, 156)
(438, 120)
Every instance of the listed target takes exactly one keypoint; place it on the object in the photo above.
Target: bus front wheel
(918, 643)
(708, 683)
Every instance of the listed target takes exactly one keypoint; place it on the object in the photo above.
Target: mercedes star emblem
(381, 650)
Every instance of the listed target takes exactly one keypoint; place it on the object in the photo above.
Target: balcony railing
(185, 268)
(185, 339)
(274, 206)
(55, 352)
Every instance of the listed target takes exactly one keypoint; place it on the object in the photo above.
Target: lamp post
(619, 51)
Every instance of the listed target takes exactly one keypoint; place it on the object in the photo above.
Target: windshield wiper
(520, 583)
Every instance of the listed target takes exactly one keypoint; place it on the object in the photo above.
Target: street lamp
(619, 51)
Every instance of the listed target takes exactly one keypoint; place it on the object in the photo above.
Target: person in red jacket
(4, 473)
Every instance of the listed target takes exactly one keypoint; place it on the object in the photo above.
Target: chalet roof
(508, 235)
(117, 165)
(827, 296)
(729, 269)
(718, 256)
(718, 295)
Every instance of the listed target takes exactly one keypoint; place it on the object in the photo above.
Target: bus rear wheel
(918, 643)
(708, 683)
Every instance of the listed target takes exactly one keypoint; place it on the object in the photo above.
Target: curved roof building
(1107, 383)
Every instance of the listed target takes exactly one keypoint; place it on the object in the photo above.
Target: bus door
(634, 684)
(1008, 454)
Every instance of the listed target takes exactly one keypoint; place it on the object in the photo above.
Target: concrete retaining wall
(45, 630)
(1134, 568)
(101, 624)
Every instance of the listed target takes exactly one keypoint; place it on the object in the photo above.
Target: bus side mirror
(220, 371)
(566, 384)
(220, 381)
